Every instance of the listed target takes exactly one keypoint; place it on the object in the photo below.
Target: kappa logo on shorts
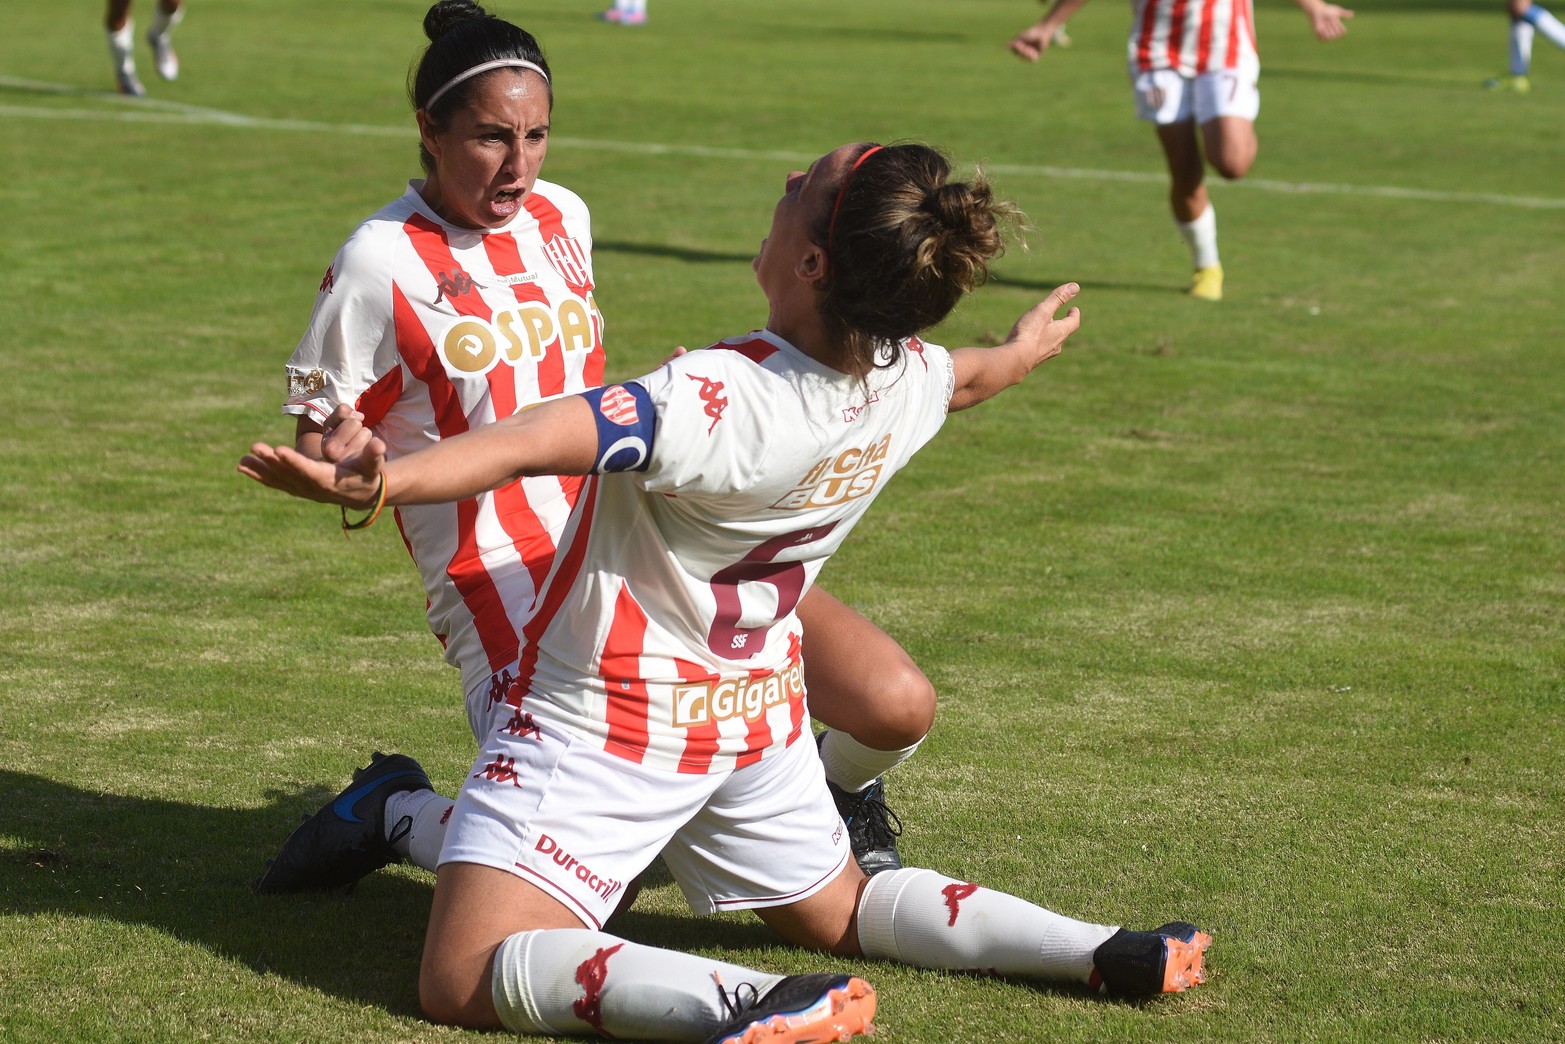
(500, 770)
(833, 480)
(522, 724)
(504, 689)
(603, 886)
(709, 392)
(619, 406)
(747, 698)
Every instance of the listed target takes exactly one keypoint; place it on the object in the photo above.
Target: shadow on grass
(695, 256)
(1044, 286)
(663, 250)
(186, 870)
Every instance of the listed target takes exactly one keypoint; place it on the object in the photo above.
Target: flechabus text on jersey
(851, 473)
(474, 345)
(747, 698)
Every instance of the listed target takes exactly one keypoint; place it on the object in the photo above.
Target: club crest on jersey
(568, 259)
(747, 698)
(833, 480)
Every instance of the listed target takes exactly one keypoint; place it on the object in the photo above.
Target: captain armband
(625, 420)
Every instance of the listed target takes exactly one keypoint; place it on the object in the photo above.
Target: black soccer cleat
(1142, 964)
(799, 1009)
(346, 839)
(873, 828)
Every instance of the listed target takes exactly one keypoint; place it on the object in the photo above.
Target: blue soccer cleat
(346, 839)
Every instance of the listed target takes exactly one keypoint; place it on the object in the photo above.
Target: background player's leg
(1230, 145)
(122, 38)
(169, 14)
(877, 706)
(1193, 213)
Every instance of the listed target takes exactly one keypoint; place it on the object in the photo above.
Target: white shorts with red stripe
(1163, 96)
(580, 823)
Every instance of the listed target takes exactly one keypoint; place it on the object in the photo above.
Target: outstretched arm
(558, 437)
(983, 373)
(1326, 19)
(1031, 42)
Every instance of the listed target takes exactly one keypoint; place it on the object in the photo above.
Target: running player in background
(661, 708)
(122, 40)
(1194, 68)
(463, 301)
(626, 12)
(1526, 17)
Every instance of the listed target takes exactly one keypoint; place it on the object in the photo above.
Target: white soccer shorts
(1163, 96)
(581, 823)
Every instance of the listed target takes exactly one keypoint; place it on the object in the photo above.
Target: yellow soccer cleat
(1515, 84)
(1207, 283)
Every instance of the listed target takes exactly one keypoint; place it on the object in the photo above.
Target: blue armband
(626, 421)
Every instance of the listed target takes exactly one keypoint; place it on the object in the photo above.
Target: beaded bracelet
(367, 520)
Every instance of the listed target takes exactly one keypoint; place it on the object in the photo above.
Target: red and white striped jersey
(668, 633)
(1191, 36)
(429, 330)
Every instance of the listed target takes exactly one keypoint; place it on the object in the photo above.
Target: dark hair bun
(448, 13)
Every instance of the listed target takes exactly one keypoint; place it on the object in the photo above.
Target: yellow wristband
(367, 520)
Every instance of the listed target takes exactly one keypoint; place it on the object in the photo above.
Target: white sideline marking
(151, 110)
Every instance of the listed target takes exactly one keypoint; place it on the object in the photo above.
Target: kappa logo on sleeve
(327, 281)
(710, 393)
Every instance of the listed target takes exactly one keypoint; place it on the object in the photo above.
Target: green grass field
(1251, 614)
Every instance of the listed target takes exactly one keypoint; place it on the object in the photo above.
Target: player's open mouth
(507, 195)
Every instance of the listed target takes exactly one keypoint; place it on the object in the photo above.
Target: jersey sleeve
(711, 433)
(350, 342)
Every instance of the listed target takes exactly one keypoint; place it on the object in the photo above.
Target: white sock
(928, 920)
(426, 813)
(162, 22)
(121, 42)
(636, 7)
(1200, 236)
(572, 981)
(1521, 47)
(853, 766)
(1546, 24)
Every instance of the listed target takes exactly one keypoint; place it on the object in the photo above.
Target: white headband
(501, 63)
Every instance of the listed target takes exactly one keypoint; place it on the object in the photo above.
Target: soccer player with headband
(660, 708)
(469, 298)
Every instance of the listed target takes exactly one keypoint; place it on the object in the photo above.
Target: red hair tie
(831, 229)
